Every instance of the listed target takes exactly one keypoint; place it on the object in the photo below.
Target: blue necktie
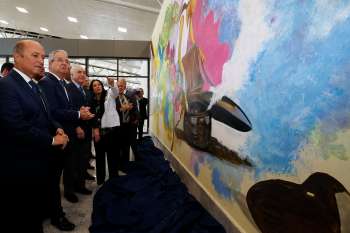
(37, 90)
(82, 90)
(34, 86)
(63, 83)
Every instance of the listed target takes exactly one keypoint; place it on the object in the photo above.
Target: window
(2, 60)
(103, 67)
(133, 67)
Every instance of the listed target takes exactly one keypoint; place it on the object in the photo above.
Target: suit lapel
(25, 87)
(59, 86)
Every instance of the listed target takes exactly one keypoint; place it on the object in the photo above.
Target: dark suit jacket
(61, 107)
(26, 131)
(78, 99)
(134, 113)
(143, 108)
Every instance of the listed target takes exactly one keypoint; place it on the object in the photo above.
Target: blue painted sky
(296, 82)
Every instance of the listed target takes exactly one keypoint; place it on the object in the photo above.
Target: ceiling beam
(131, 5)
(159, 2)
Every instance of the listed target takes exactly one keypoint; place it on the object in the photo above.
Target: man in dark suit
(82, 146)
(54, 86)
(143, 102)
(27, 134)
(5, 69)
(129, 115)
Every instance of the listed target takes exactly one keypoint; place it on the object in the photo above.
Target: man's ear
(17, 55)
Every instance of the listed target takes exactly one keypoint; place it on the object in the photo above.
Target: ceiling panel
(98, 19)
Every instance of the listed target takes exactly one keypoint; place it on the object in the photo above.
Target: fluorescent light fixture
(44, 29)
(22, 10)
(121, 29)
(72, 19)
(3, 22)
(83, 37)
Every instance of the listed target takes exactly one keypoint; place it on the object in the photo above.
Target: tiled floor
(78, 213)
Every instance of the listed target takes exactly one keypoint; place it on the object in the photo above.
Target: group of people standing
(47, 123)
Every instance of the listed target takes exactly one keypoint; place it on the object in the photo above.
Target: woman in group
(106, 126)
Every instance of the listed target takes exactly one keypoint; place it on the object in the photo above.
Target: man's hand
(59, 131)
(85, 113)
(126, 107)
(110, 81)
(80, 133)
(60, 140)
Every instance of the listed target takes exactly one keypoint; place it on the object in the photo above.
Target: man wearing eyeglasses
(54, 86)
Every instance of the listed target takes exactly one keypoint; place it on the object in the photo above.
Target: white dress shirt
(110, 117)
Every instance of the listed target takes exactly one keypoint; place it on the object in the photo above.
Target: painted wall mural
(251, 91)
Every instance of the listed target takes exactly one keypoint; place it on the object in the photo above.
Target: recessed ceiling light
(44, 29)
(83, 37)
(3, 22)
(22, 10)
(121, 29)
(72, 19)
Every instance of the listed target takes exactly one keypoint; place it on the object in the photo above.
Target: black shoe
(63, 224)
(89, 177)
(84, 191)
(71, 197)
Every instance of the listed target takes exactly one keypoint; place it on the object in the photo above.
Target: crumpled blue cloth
(150, 199)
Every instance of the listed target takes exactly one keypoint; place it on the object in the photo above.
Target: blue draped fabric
(150, 199)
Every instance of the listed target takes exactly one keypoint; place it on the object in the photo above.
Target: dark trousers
(128, 139)
(107, 146)
(54, 206)
(140, 128)
(69, 167)
(81, 153)
(22, 197)
(22, 208)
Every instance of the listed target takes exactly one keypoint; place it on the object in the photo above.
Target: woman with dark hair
(105, 128)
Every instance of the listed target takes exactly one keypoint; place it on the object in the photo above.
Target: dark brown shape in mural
(311, 207)
(197, 114)
(216, 148)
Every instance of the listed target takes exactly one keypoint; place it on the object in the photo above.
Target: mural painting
(249, 94)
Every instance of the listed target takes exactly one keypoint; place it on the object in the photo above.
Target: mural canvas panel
(247, 91)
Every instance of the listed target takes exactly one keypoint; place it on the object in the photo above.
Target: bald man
(27, 135)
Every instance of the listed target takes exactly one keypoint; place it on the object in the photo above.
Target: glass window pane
(11, 60)
(46, 64)
(2, 60)
(102, 67)
(78, 61)
(133, 67)
(135, 83)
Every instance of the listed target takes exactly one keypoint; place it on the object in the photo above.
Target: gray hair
(75, 67)
(53, 53)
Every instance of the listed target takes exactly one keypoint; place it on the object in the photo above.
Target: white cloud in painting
(232, 139)
(254, 33)
(325, 16)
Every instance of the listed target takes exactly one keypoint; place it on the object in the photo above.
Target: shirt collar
(55, 76)
(76, 84)
(23, 75)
